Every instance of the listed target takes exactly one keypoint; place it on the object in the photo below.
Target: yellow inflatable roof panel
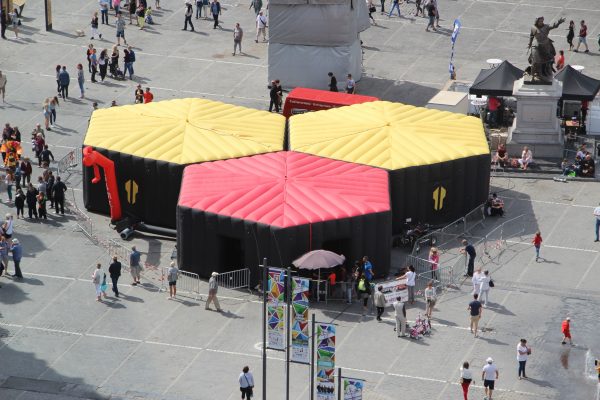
(186, 131)
(388, 135)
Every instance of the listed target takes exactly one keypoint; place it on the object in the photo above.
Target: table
(494, 62)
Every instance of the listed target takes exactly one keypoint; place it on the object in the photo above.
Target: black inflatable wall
(439, 193)
(148, 189)
(208, 242)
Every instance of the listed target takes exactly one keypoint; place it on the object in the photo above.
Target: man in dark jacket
(26, 171)
(31, 199)
(64, 80)
(46, 155)
(58, 195)
(115, 272)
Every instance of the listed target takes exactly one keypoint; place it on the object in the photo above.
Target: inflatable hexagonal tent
(281, 205)
(438, 162)
(151, 144)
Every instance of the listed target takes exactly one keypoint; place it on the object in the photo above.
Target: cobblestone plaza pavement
(57, 342)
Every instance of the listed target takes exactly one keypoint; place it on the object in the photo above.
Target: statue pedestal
(536, 124)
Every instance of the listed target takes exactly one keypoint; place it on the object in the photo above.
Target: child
(41, 199)
(537, 242)
(566, 331)
(148, 14)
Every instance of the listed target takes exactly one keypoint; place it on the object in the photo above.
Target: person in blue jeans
(395, 5)
(215, 9)
(597, 215)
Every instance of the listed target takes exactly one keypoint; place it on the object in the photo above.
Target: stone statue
(542, 52)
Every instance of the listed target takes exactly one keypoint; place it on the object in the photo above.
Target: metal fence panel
(237, 279)
(187, 282)
(70, 160)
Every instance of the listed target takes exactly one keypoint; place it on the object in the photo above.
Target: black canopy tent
(497, 81)
(577, 86)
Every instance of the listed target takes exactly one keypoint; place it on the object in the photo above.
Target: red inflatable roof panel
(285, 189)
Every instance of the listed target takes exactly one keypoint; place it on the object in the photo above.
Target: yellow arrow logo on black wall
(439, 194)
(132, 190)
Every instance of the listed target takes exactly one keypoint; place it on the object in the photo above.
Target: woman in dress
(571, 34)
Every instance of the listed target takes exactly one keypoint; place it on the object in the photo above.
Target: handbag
(492, 284)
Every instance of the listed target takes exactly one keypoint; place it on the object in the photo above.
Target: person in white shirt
(489, 375)
(261, 27)
(410, 277)
(484, 287)
(246, 381)
(400, 311)
(475, 280)
(523, 352)
(597, 215)
(526, 158)
(466, 378)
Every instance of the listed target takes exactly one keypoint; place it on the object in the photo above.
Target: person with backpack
(172, 275)
(363, 288)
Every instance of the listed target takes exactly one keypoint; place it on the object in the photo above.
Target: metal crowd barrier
(70, 160)
(237, 279)
(187, 282)
(116, 249)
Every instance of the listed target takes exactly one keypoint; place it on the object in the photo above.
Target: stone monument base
(536, 124)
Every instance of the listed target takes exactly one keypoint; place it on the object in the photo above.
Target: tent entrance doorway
(231, 253)
(340, 246)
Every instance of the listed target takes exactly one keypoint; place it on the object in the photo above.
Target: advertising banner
(300, 336)
(276, 310)
(325, 361)
(392, 290)
(353, 388)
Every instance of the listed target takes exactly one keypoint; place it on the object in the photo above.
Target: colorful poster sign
(300, 336)
(276, 310)
(353, 388)
(325, 361)
(392, 290)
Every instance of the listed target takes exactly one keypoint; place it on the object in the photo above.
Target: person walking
(257, 5)
(14, 19)
(379, 301)
(141, 15)
(58, 195)
(537, 243)
(64, 80)
(400, 314)
(571, 34)
(430, 299)
(198, 8)
(246, 381)
(213, 288)
(566, 331)
(132, 8)
(261, 27)
(582, 37)
(466, 378)
(17, 254)
(189, 11)
(597, 215)
(120, 25)
(431, 14)
(274, 97)
(363, 288)
(475, 311)
(99, 281)
(470, 251)
(484, 287)
(395, 5)
(114, 269)
(172, 275)
(2, 85)
(215, 9)
(238, 34)
(332, 82)
(80, 80)
(94, 26)
(523, 352)
(489, 376)
(3, 22)
(135, 269)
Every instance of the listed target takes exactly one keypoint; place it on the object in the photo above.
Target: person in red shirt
(537, 243)
(493, 104)
(566, 331)
(582, 37)
(148, 96)
(560, 61)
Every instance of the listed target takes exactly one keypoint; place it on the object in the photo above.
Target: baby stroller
(422, 327)
(116, 73)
